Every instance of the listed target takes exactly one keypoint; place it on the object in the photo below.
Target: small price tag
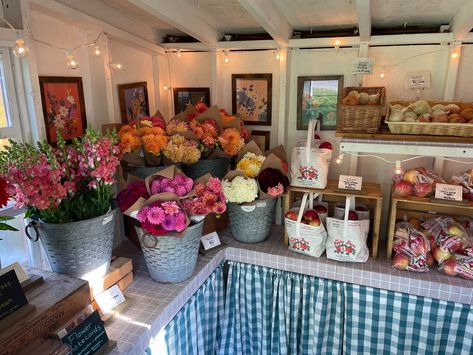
(348, 182)
(449, 192)
(19, 271)
(210, 240)
(109, 299)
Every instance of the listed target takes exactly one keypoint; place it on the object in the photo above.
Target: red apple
(411, 176)
(291, 215)
(316, 136)
(455, 229)
(360, 208)
(422, 189)
(441, 255)
(315, 222)
(304, 222)
(309, 215)
(400, 261)
(430, 259)
(414, 221)
(352, 215)
(326, 145)
(449, 267)
(320, 209)
(403, 188)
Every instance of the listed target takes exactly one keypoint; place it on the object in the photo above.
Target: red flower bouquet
(273, 182)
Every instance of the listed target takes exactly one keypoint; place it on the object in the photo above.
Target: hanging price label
(449, 192)
(348, 182)
(210, 240)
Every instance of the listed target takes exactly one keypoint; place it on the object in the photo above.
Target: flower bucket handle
(34, 226)
(150, 240)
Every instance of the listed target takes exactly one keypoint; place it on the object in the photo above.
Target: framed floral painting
(185, 96)
(133, 100)
(251, 98)
(261, 139)
(63, 107)
(317, 98)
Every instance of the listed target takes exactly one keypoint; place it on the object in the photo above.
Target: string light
(179, 53)
(20, 50)
(455, 55)
(116, 66)
(71, 60)
(278, 54)
(226, 57)
(383, 74)
(398, 169)
(97, 51)
(339, 159)
(165, 87)
(337, 43)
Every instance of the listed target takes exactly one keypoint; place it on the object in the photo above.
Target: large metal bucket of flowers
(80, 249)
(171, 259)
(217, 167)
(251, 222)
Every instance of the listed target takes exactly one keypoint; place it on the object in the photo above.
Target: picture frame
(62, 98)
(317, 98)
(252, 98)
(133, 98)
(261, 138)
(184, 96)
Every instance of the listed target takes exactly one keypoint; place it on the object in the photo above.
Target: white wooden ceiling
(209, 20)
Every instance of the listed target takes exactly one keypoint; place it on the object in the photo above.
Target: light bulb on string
(337, 43)
(455, 55)
(226, 57)
(20, 50)
(382, 75)
(71, 61)
(339, 159)
(165, 87)
(97, 51)
(398, 169)
(116, 66)
(278, 54)
(179, 53)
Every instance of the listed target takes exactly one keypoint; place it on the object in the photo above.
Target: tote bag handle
(301, 209)
(349, 201)
(314, 125)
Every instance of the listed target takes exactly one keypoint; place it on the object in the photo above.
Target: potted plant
(67, 191)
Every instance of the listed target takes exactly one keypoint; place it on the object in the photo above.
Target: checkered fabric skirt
(267, 311)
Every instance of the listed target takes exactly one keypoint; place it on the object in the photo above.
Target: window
(9, 117)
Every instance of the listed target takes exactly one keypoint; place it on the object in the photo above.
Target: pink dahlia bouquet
(180, 185)
(209, 197)
(65, 183)
(161, 217)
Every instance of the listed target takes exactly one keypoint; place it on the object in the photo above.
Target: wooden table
(423, 207)
(369, 195)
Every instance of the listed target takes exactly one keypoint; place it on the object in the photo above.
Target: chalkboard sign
(12, 296)
(88, 337)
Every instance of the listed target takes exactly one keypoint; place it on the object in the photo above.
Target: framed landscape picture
(185, 96)
(63, 107)
(251, 98)
(261, 138)
(134, 102)
(317, 98)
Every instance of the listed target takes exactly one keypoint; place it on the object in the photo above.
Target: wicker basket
(251, 223)
(431, 128)
(361, 118)
(171, 259)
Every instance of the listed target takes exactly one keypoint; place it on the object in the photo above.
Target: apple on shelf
(352, 216)
(312, 218)
(291, 215)
(326, 145)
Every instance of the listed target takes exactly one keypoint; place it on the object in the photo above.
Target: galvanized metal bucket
(171, 259)
(217, 167)
(251, 223)
(81, 249)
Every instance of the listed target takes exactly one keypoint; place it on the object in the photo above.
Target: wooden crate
(370, 196)
(422, 207)
(56, 300)
(120, 268)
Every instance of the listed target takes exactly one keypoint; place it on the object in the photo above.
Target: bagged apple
(460, 266)
(347, 237)
(412, 249)
(418, 182)
(306, 233)
(466, 181)
(319, 206)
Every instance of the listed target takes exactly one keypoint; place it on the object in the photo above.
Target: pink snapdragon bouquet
(65, 183)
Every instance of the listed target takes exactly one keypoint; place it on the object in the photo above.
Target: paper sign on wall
(362, 66)
(418, 80)
(449, 192)
(348, 182)
(210, 240)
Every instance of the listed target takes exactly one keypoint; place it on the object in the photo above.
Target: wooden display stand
(55, 301)
(369, 195)
(423, 207)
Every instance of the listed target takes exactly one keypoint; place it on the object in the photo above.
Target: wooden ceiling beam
(462, 22)
(182, 16)
(363, 9)
(270, 18)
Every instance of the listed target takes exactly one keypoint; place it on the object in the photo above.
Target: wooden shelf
(370, 195)
(416, 206)
(385, 135)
